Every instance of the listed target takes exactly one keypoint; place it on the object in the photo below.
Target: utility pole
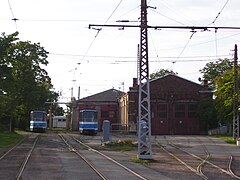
(235, 97)
(144, 112)
(144, 118)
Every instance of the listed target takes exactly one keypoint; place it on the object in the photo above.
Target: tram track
(91, 165)
(11, 149)
(15, 160)
(103, 159)
(195, 169)
(24, 164)
(228, 162)
(207, 158)
(203, 162)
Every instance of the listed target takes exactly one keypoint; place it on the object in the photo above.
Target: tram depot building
(174, 104)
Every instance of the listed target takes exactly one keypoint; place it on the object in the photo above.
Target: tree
(160, 73)
(220, 78)
(25, 84)
(207, 114)
(213, 69)
(224, 96)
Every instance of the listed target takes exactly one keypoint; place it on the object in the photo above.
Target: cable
(193, 32)
(98, 31)
(213, 22)
(114, 11)
(154, 48)
(170, 61)
(14, 19)
(167, 17)
(129, 12)
(219, 13)
(134, 57)
(175, 11)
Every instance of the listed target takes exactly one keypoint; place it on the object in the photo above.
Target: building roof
(175, 82)
(111, 95)
(172, 76)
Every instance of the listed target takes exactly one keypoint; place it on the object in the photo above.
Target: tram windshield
(88, 116)
(38, 116)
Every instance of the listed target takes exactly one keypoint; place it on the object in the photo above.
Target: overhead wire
(131, 57)
(174, 62)
(167, 17)
(213, 22)
(155, 49)
(175, 11)
(219, 12)
(95, 37)
(14, 19)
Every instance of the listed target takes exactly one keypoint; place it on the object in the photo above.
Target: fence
(118, 127)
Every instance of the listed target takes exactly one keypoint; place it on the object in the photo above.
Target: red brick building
(174, 105)
(106, 103)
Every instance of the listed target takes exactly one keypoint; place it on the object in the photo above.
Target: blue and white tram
(88, 122)
(38, 121)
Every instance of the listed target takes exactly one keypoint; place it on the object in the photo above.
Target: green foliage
(121, 145)
(220, 77)
(228, 139)
(160, 73)
(141, 161)
(213, 69)
(207, 114)
(224, 96)
(24, 84)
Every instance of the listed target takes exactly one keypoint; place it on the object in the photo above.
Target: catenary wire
(95, 37)
(213, 22)
(133, 57)
(174, 62)
(175, 11)
(219, 13)
(14, 19)
(167, 17)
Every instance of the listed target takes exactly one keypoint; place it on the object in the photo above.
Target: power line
(203, 28)
(167, 17)
(98, 31)
(175, 11)
(170, 61)
(193, 32)
(133, 57)
(14, 19)
(114, 11)
(219, 12)
(213, 22)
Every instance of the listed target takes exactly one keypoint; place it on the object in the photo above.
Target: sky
(97, 61)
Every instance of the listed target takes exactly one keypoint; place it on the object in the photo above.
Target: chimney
(135, 82)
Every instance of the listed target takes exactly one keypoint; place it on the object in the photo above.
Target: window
(192, 110)
(162, 110)
(179, 110)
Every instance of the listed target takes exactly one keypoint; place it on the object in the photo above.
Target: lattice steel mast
(235, 97)
(144, 113)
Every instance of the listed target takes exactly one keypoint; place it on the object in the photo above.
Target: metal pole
(144, 113)
(235, 97)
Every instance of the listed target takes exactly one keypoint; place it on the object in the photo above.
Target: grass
(121, 145)
(228, 139)
(141, 161)
(7, 139)
(121, 148)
